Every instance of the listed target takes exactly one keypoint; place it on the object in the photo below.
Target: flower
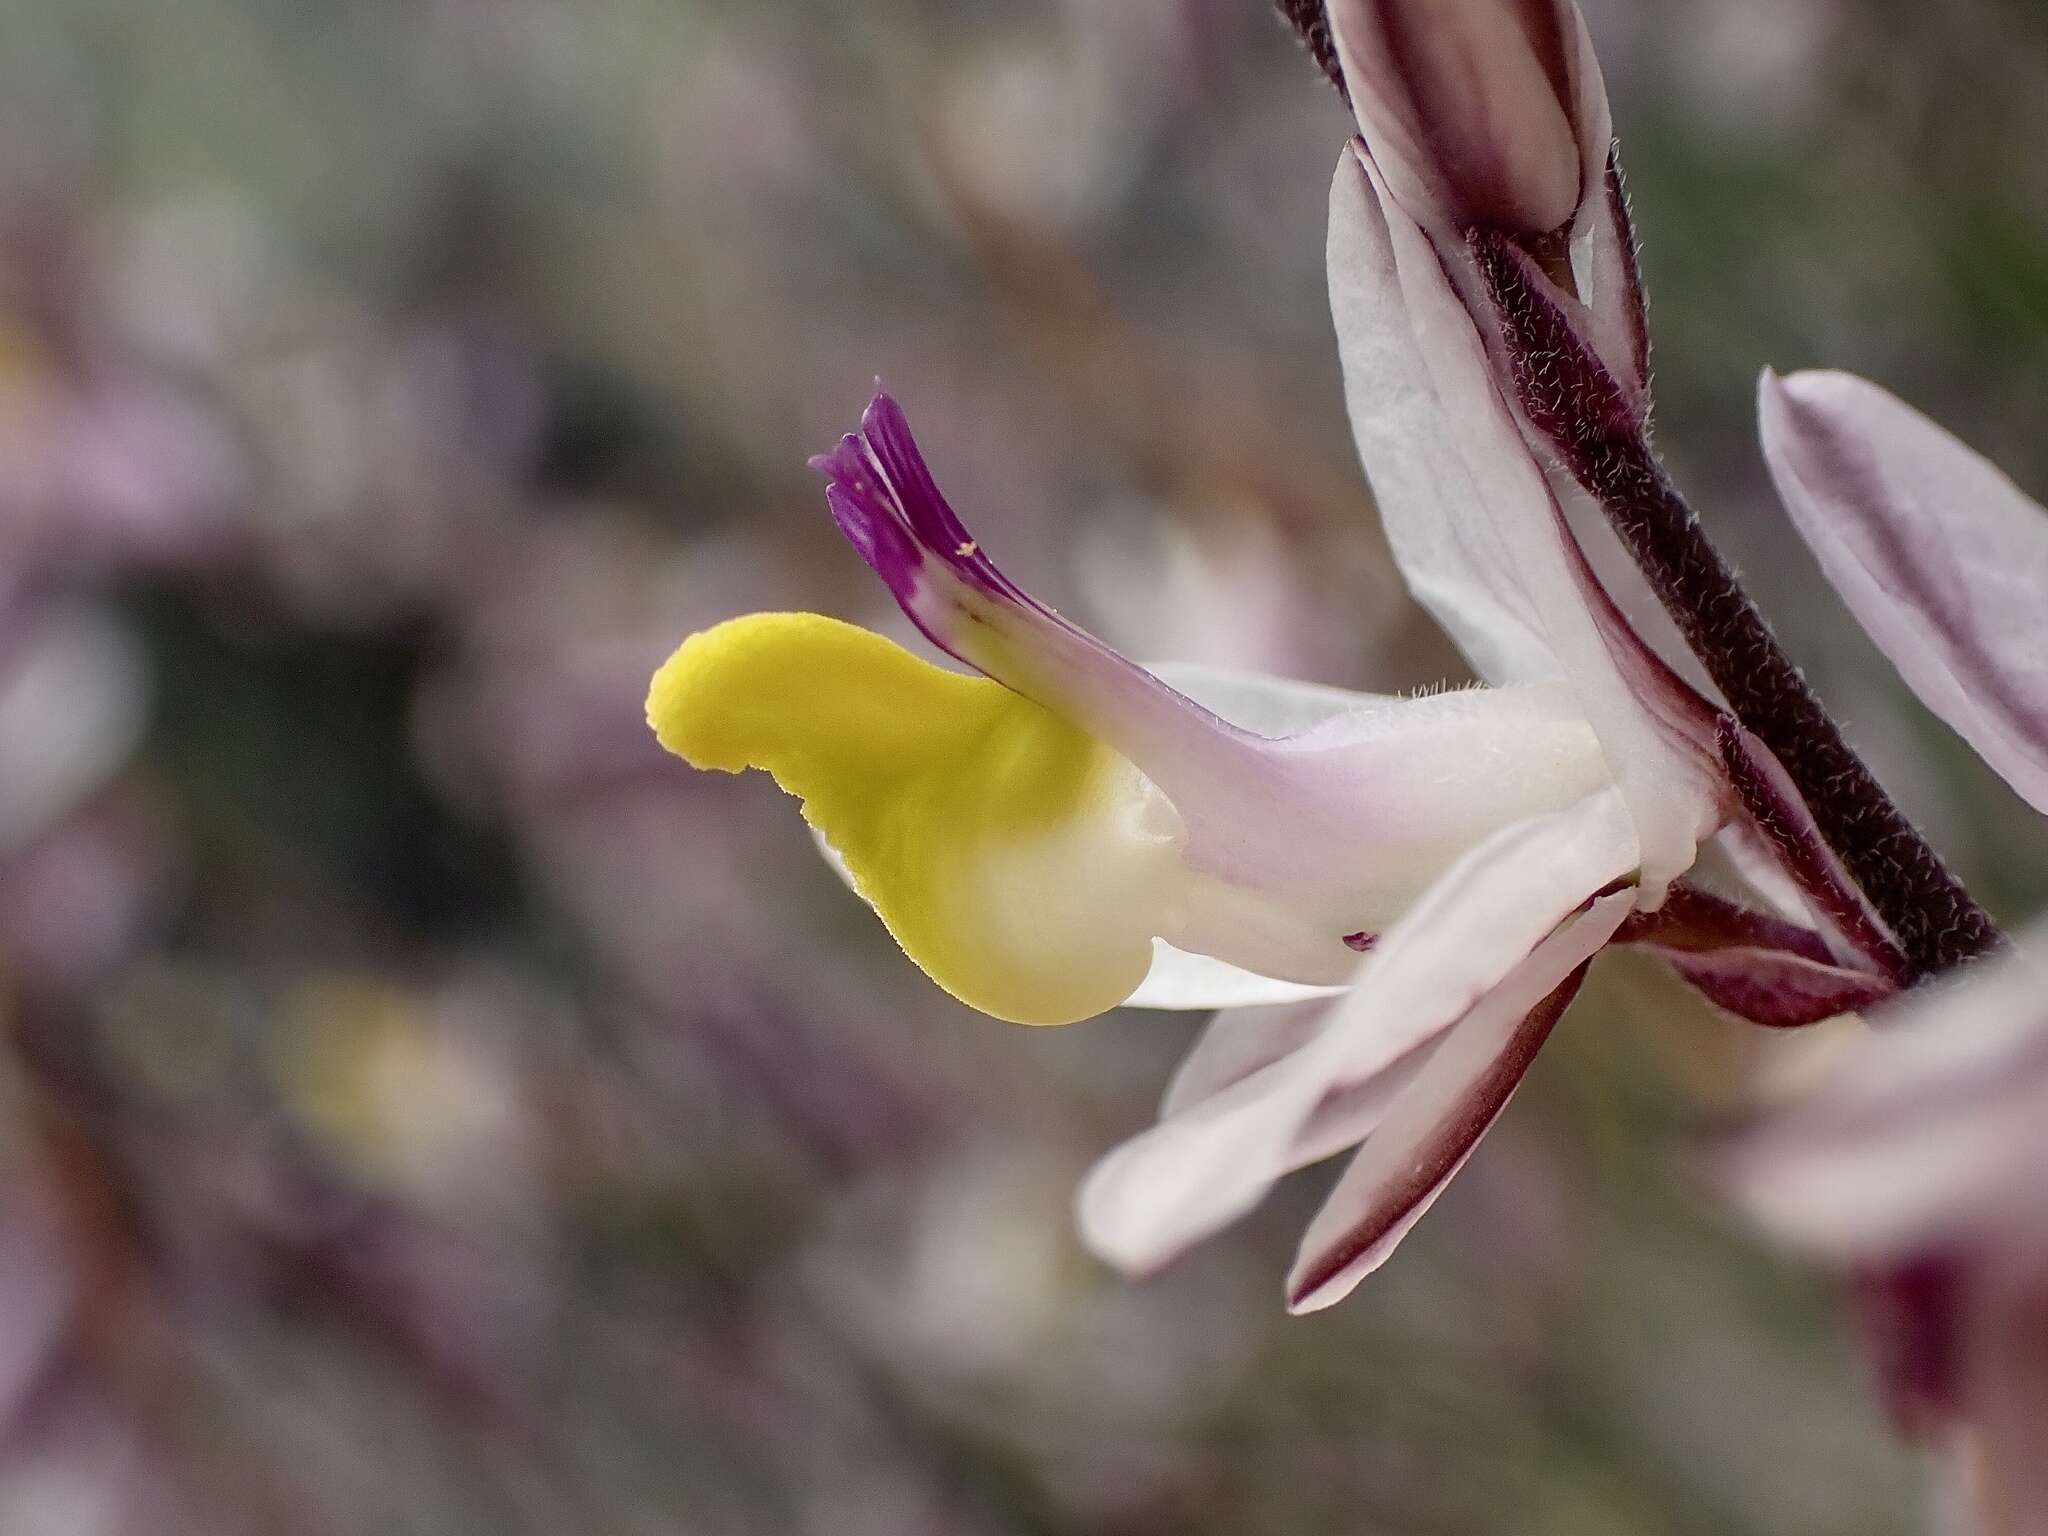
(1069, 832)
(1027, 835)
(1916, 1165)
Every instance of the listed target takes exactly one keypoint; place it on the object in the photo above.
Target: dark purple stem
(1600, 436)
(1600, 432)
(1307, 18)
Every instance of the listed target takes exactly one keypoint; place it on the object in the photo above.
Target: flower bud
(1476, 110)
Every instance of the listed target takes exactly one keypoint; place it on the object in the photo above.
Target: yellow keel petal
(1011, 854)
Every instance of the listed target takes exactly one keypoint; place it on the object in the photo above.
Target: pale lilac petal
(1211, 1162)
(1928, 1129)
(1414, 1153)
(1453, 558)
(1474, 525)
(1942, 559)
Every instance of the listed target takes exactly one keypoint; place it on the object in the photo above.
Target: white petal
(1435, 1125)
(1942, 559)
(1204, 1167)
(1189, 983)
(1472, 520)
(1240, 1043)
(1452, 558)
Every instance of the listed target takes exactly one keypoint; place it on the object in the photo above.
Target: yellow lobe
(1006, 850)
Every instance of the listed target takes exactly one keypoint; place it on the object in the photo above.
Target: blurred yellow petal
(1020, 862)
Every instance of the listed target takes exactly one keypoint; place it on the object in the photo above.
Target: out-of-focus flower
(1071, 832)
(103, 464)
(1917, 1166)
(72, 706)
(406, 1099)
(1942, 559)
(79, 859)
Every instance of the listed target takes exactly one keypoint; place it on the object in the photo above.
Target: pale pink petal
(1942, 559)
(1415, 1152)
(1474, 525)
(1211, 1162)
(1238, 1043)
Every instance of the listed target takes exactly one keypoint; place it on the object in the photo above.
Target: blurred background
(428, 1108)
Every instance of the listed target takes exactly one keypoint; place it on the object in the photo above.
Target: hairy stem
(1307, 19)
(1599, 431)
(1937, 923)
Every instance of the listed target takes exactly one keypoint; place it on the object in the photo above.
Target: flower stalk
(1569, 398)
(1589, 404)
